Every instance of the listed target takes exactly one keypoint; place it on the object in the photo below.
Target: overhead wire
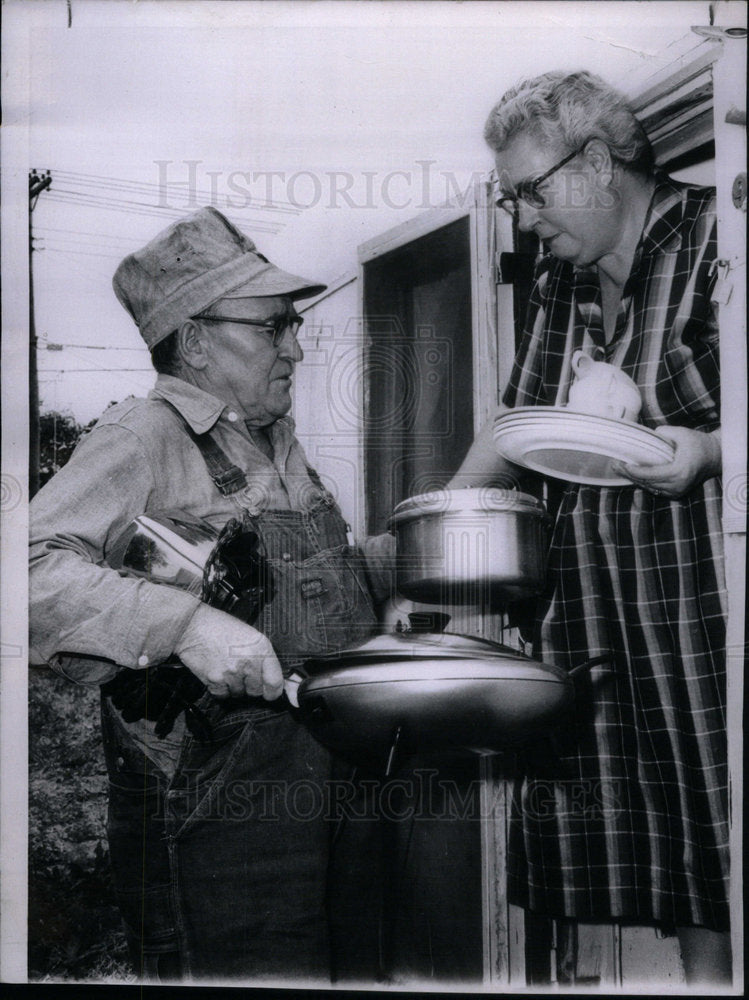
(113, 371)
(112, 183)
(81, 232)
(80, 199)
(93, 347)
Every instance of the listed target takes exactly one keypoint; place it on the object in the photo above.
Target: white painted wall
(327, 397)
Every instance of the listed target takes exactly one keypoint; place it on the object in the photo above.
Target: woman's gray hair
(571, 108)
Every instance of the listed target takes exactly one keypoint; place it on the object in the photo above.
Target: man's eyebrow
(280, 314)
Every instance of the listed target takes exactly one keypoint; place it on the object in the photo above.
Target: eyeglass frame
(531, 186)
(290, 323)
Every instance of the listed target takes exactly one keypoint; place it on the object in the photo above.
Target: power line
(54, 345)
(118, 183)
(84, 253)
(192, 197)
(81, 200)
(113, 371)
(81, 232)
(64, 240)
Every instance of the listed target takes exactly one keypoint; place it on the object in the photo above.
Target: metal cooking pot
(463, 546)
(439, 690)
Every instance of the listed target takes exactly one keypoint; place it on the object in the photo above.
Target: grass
(74, 929)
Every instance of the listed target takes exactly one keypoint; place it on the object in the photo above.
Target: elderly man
(219, 871)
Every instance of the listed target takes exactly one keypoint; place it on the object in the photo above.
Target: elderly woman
(630, 821)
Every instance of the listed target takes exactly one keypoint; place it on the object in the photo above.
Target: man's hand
(232, 659)
(697, 457)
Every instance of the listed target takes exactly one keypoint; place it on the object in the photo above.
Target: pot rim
(470, 499)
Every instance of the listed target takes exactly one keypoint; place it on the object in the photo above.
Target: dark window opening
(418, 368)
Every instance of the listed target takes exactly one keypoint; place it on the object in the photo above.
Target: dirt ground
(74, 928)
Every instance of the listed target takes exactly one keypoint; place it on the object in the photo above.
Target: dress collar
(662, 232)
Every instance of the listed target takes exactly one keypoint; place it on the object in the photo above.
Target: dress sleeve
(525, 387)
(78, 606)
(692, 355)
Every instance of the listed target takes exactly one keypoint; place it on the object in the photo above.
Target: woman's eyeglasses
(275, 328)
(528, 191)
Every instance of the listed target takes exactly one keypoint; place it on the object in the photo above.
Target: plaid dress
(624, 813)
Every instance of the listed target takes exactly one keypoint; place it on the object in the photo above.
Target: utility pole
(37, 184)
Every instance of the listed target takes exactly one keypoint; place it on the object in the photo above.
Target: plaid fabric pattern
(624, 814)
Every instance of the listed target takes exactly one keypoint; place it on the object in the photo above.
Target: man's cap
(193, 263)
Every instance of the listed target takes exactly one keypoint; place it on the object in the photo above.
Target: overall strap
(227, 477)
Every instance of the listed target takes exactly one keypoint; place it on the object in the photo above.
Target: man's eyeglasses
(275, 328)
(528, 192)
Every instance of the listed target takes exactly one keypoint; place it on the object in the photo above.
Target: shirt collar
(202, 410)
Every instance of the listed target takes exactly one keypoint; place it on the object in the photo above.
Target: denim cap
(190, 265)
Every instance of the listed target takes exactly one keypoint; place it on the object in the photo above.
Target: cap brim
(273, 281)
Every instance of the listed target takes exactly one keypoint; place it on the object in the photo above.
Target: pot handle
(586, 665)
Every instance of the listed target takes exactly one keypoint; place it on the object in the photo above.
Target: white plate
(575, 446)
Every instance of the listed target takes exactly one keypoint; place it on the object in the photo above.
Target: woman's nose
(527, 216)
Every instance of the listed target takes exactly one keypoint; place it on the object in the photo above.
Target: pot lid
(470, 499)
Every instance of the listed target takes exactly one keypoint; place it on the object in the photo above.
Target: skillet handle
(291, 685)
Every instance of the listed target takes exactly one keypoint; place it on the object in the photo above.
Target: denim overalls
(220, 867)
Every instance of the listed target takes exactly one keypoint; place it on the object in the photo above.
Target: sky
(314, 126)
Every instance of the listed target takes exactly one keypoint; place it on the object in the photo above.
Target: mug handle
(581, 362)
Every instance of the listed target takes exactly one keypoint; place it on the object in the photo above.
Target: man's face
(245, 370)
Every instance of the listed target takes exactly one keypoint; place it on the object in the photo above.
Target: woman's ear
(192, 345)
(598, 155)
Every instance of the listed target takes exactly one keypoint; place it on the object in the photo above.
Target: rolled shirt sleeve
(78, 606)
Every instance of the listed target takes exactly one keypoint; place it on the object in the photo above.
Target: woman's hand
(483, 464)
(697, 457)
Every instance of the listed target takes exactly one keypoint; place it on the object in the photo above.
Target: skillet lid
(416, 644)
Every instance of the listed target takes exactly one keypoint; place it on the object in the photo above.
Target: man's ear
(192, 345)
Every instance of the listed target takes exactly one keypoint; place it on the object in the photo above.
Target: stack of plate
(574, 446)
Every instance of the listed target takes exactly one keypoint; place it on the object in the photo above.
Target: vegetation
(74, 925)
(74, 928)
(59, 433)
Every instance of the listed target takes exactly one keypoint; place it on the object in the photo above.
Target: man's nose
(290, 347)
(527, 216)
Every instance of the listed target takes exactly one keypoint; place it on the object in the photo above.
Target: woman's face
(580, 220)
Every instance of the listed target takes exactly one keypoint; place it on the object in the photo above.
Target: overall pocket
(198, 790)
(320, 604)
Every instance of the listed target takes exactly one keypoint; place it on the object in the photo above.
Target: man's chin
(281, 405)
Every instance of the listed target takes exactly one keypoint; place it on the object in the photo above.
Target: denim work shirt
(87, 618)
